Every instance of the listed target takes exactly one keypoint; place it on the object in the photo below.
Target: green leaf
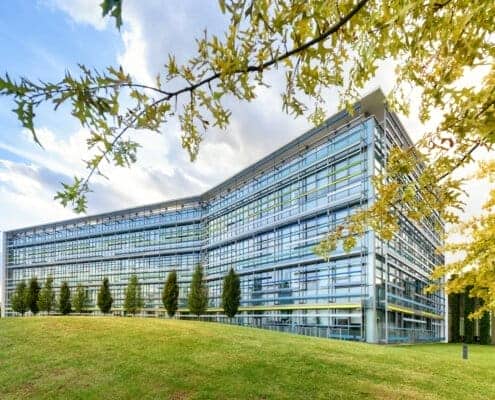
(114, 8)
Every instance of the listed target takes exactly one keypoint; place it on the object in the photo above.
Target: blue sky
(43, 38)
(39, 40)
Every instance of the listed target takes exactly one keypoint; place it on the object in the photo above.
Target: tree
(198, 293)
(80, 299)
(133, 301)
(170, 295)
(105, 299)
(469, 323)
(33, 295)
(315, 45)
(46, 301)
(484, 322)
(231, 294)
(64, 304)
(454, 317)
(19, 298)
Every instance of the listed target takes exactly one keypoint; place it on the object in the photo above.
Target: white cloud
(134, 57)
(151, 31)
(27, 191)
(82, 11)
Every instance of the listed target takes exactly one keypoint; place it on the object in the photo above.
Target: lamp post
(463, 338)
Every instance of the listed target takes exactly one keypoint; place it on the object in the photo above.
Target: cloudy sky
(43, 38)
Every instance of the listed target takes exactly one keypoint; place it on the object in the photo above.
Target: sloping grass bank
(134, 358)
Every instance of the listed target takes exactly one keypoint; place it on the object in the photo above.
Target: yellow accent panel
(411, 311)
(287, 307)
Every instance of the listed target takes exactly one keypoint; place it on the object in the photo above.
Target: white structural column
(3, 273)
(370, 314)
(371, 327)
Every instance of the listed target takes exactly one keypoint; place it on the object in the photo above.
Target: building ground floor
(308, 296)
(338, 321)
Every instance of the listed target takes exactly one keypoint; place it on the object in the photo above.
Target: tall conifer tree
(231, 293)
(105, 299)
(80, 299)
(19, 298)
(198, 293)
(170, 295)
(64, 304)
(33, 295)
(46, 301)
(133, 301)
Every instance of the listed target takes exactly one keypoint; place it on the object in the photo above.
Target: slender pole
(464, 351)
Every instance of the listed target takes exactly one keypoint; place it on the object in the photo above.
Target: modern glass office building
(263, 222)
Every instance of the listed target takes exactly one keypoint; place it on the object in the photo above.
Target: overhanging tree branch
(169, 95)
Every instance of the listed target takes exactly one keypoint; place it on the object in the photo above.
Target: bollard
(464, 351)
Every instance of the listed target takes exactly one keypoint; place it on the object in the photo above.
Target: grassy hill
(133, 358)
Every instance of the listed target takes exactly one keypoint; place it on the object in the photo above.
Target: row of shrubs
(35, 299)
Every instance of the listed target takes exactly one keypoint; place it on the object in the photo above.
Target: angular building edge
(3, 274)
(372, 105)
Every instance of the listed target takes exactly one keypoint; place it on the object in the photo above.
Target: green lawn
(134, 358)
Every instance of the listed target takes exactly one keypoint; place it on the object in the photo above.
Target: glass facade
(263, 222)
